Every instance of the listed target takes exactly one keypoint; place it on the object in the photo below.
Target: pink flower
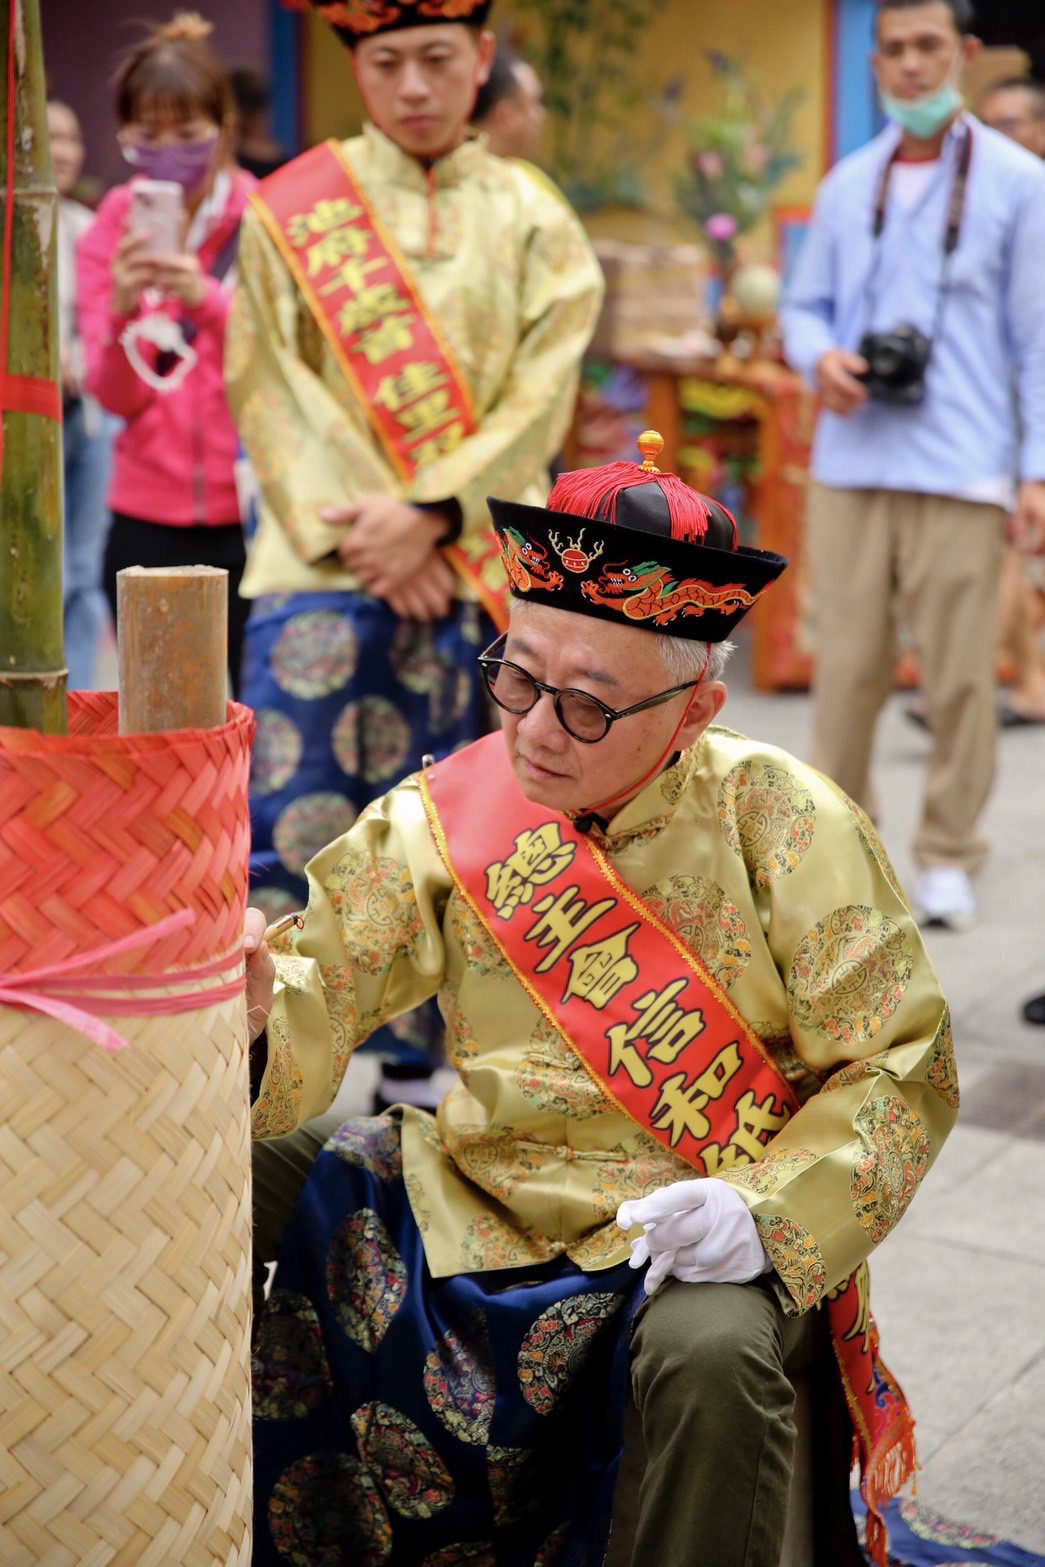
(721, 226)
(757, 158)
(711, 164)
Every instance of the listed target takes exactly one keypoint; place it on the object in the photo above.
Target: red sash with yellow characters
(653, 1028)
(356, 282)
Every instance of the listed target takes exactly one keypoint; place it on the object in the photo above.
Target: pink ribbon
(90, 995)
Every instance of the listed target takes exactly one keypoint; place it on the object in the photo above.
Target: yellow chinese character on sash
(667, 1028)
(370, 306)
(353, 276)
(426, 416)
(447, 440)
(344, 244)
(757, 1123)
(680, 1103)
(539, 856)
(324, 216)
(562, 920)
(598, 972)
(413, 381)
(393, 335)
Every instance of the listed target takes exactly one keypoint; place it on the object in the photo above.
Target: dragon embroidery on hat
(526, 563)
(649, 592)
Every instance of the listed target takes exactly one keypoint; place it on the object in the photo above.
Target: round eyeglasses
(581, 715)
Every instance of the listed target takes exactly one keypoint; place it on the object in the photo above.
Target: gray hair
(684, 660)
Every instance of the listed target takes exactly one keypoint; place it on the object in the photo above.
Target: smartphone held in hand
(158, 210)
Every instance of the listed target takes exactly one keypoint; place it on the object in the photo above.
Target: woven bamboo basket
(124, 1177)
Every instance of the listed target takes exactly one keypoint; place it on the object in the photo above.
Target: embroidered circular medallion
(276, 753)
(642, 1164)
(290, 1375)
(478, 1553)
(308, 825)
(325, 1511)
(557, 1345)
(494, 1159)
(886, 1175)
(372, 1142)
(490, 1243)
(796, 1257)
(366, 1278)
(773, 1170)
(481, 952)
(517, 1480)
(459, 1382)
(315, 653)
(553, 1079)
(371, 739)
(413, 1478)
(706, 921)
(377, 910)
(272, 439)
(767, 817)
(849, 974)
(943, 1069)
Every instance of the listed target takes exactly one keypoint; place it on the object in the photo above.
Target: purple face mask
(188, 163)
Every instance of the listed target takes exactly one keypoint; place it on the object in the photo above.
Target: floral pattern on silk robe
(781, 885)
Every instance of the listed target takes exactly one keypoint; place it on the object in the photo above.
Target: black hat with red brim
(354, 20)
(629, 544)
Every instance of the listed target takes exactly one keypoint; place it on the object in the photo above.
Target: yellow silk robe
(505, 268)
(783, 888)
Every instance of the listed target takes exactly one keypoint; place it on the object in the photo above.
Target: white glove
(701, 1232)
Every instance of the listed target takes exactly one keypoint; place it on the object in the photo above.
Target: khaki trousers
(879, 557)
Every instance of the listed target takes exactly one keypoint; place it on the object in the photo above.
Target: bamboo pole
(32, 661)
(172, 633)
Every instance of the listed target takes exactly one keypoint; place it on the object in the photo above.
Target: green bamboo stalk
(32, 659)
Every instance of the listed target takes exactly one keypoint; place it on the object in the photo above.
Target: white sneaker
(944, 897)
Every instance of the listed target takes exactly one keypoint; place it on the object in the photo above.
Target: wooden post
(172, 631)
(32, 661)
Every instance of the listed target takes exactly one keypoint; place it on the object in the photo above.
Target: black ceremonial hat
(354, 20)
(630, 544)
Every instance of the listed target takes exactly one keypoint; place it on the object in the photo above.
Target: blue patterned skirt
(420, 1422)
(349, 699)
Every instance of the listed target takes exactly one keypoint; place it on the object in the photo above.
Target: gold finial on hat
(650, 443)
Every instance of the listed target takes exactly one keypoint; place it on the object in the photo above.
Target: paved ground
(959, 1288)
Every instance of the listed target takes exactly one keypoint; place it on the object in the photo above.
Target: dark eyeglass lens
(512, 687)
(583, 718)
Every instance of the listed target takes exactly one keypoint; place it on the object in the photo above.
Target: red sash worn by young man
(358, 286)
(654, 1029)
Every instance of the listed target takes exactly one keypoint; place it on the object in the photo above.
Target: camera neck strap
(951, 235)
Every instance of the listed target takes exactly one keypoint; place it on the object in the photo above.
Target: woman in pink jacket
(153, 315)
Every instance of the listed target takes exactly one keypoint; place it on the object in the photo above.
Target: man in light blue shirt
(937, 225)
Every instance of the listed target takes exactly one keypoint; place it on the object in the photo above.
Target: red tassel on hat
(593, 493)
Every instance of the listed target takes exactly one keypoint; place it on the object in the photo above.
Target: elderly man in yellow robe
(406, 340)
(688, 1003)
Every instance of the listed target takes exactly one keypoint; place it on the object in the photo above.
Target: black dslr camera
(896, 364)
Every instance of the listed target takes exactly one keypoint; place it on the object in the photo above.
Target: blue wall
(285, 76)
(856, 117)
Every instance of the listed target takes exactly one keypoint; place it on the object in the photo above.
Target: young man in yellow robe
(687, 1000)
(406, 340)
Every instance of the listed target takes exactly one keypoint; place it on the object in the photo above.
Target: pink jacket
(174, 458)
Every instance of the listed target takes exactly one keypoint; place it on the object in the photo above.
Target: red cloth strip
(30, 394)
